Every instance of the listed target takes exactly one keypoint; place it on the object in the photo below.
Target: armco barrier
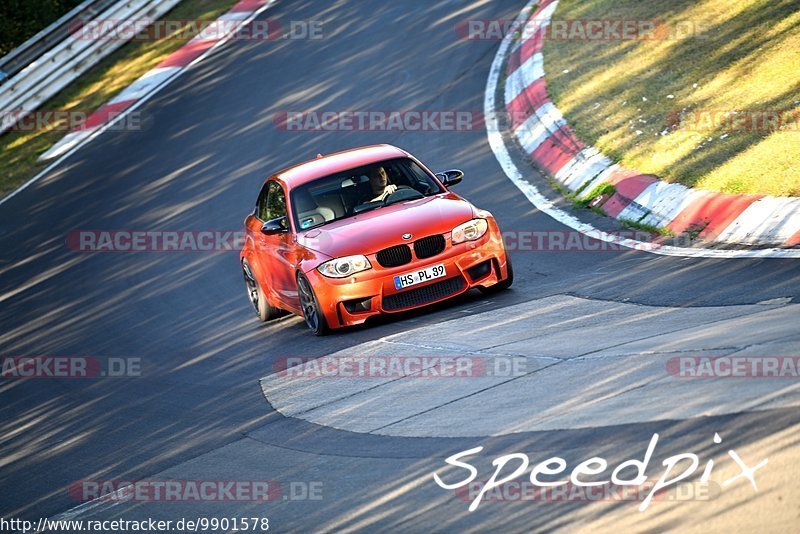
(63, 63)
(227, 25)
(53, 35)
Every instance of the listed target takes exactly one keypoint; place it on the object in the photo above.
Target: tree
(22, 19)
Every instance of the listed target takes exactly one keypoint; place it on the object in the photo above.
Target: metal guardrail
(64, 61)
(36, 46)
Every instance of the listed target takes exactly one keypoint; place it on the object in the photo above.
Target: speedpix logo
(676, 469)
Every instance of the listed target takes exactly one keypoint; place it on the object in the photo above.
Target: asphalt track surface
(210, 142)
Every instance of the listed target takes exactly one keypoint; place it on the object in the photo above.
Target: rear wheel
(257, 298)
(315, 319)
(504, 284)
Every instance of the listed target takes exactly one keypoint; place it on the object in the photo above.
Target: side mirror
(275, 226)
(451, 177)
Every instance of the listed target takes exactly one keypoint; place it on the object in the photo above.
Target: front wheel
(315, 319)
(263, 309)
(504, 284)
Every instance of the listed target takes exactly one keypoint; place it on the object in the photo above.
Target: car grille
(422, 295)
(429, 246)
(394, 256)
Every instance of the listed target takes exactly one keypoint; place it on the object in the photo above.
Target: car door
(276, 252)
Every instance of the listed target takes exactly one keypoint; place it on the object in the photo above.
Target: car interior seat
(308, 212)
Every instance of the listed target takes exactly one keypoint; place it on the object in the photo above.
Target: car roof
(337, 162)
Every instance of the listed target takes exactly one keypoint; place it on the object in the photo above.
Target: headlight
(343, 267)
(469, 231)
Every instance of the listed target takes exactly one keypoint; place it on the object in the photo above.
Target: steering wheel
(403, 192)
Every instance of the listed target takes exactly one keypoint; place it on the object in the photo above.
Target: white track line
(543, 204)
(135, 106)
(103, 502)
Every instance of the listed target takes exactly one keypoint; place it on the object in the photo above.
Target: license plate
(417, 277)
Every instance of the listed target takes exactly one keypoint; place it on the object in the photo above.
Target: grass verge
(667, 106)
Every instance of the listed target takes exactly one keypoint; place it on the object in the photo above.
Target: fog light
(480, 270)
(358, 305)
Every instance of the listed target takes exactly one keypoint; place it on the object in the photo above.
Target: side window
(276, 202)
(271, 202)
(261, 203)
(418, 178)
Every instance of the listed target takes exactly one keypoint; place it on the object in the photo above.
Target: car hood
(375, 230)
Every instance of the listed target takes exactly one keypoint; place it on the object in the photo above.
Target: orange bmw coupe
(363, 232)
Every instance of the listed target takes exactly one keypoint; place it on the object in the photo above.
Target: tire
(503, 284)
(315, 319)
(257, 298)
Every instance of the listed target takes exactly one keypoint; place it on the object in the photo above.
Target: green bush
(22, 19)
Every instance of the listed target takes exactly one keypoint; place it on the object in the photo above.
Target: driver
(379, 181)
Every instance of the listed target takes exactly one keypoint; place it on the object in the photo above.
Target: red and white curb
(216, 33)
(543, 133)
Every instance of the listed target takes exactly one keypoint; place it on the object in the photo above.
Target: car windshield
(354, 191)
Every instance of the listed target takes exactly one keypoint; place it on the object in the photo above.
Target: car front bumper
(351, 301)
